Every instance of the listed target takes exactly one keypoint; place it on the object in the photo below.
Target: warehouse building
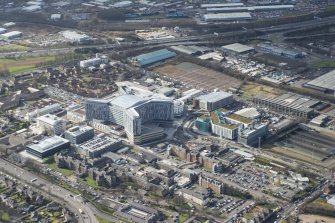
(221, 5)
(324, 83)
(79, 134)
(32, 8)
(267, 48)
(9, 24)
(76, 37)
(153, 57)
(290, 104)
(250, 9)
(94, 148)
(215, 100)
(48, 147)
(12, 35)
(191, 50)
(223, 17)
(237, 48)
(2, 30)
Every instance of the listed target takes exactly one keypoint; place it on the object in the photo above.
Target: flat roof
(237, 47)
(77, 130)
(12, 33)
(326, 81)
(126, 101)
(214, 5)
(49, 118)
(227, 16)
(214, 96)
(98, 143)
(153, 57)
(48, 144)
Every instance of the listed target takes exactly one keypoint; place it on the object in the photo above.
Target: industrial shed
(153, 57)
(237, 48)
(325, 83)
(221, 17)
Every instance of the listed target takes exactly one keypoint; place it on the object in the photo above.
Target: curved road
(53, 190)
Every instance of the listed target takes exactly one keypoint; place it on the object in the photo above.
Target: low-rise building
(195, 197)
(79, 134)
(48, 147)
(215, 100)
(97, 146)
(51, 123)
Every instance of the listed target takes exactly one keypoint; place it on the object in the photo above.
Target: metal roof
(214, 96)
(48, 144)
(126, 101)
(153, 57)
(214, 5)
(237, 47)
(228, 16)
(326, 81)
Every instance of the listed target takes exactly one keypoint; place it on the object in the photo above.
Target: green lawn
(324, 64)
(66, 172)
(102, 220)
(13, 48)
(4, 216)
(24, 64)
(183, 217)
(90, 182)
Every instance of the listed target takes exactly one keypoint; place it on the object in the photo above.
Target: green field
(183, 217)
(4, 216)
(66, 172)
(13, 48)
(90, 182)
(324, 64)
(25, 64)
(102, 220)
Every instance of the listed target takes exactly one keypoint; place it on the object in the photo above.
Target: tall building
(79, 134)
(132, 113)
(97, 109)
(51, 123)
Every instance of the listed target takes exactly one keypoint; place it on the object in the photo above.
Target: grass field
(4, 216)
(324, 64)
(66, 172)
(253, 89)
(90, 182)
(20, 65)
(102, 220)
(183, 217)
(12, 48)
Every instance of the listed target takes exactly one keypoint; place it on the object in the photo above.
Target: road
(53, 190)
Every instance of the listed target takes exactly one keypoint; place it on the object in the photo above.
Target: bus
(33, 180)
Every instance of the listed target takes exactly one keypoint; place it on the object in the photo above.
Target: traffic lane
(48, 188)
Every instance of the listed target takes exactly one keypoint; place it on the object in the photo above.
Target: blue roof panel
(153, 57)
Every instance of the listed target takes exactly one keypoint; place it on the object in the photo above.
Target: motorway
(50, 189)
